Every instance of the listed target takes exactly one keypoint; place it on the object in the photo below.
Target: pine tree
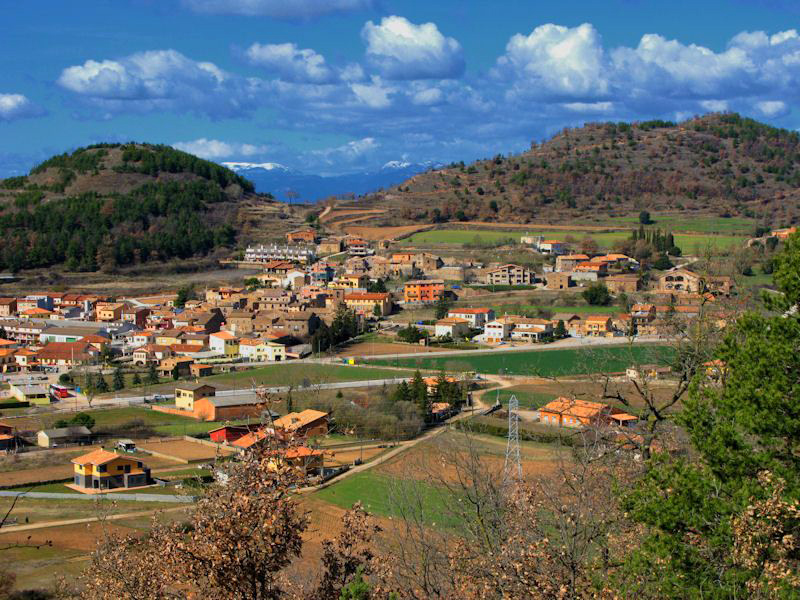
(101, 385)
(419, 395)
(118, 381)
(561, 330)
(137, 380)
(152, 375)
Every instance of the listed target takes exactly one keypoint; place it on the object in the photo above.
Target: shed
(50, 438)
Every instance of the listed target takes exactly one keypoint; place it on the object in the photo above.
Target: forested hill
(720, 164)
(113, 205)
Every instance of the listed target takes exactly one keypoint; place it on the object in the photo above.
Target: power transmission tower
(513, 461)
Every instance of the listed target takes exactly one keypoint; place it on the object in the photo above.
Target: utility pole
(513, 462)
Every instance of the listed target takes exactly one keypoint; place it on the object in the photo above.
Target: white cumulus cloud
(217, 149)
(556, 61)
(399, 49)
(290, 62)
(160, 80)
(279, 9)
(17, 106)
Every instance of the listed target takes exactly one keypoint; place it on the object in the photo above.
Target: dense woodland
(47, 219)
(720, 164)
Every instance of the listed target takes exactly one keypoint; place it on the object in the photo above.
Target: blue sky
(336, 86)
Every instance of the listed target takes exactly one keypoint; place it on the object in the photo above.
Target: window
(102, 468)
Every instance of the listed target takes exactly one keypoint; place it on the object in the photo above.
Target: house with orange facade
(568, 412)
(423, 291)
(597, 325)
(302, 236)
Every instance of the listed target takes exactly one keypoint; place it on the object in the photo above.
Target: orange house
(598, 325)
(423, 291)
(302, 235)
(566, 412)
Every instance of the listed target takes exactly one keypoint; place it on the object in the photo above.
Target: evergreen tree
(442, 306)
(176, 374)
(561, 330)
(419, 395)
(137, 380)
(101, 385)
(744, 429)
(152, 374)
(118, 381)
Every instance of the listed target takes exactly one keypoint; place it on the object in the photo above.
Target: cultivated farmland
(546, 363)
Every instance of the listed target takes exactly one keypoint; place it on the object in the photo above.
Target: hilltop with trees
(718, 164)
(110, 206)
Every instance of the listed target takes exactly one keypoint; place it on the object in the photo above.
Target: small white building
(258, 350)
(452, 326)
(498, 330)
(531, 330)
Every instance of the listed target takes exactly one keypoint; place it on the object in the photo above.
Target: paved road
(273, 390)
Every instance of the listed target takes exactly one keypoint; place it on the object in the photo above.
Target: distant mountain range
(287, 184)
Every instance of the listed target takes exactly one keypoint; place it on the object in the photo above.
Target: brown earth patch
(383, 348)
(185, 450)
(81, 537)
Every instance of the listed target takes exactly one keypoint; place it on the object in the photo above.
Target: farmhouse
(627, 284)
(452, 326)
(566, 412)
(558, 281)
(304, 424)
(169, 366)
(568, 262)
(50, 438)
(106, 470)
(216, 408)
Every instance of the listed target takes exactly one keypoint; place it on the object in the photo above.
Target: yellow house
(224, 342)
(365, 302)
(110, 312)
(170, 337)
(186, 395)
(105, 470)
(350, 281)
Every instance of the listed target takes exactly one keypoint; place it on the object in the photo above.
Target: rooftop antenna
(513, 462)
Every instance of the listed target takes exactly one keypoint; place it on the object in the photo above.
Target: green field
(696, 224)
(688, 242)
(375, 492)
(114, 418)
(526, 397)
(546, 363)
(296, 374)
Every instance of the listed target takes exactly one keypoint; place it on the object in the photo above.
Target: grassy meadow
(545, 363)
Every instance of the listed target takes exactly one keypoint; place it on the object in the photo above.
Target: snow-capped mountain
(242, 167)
(280, 180)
